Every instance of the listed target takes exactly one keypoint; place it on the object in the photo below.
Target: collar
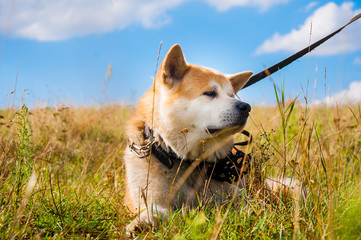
(230, 169)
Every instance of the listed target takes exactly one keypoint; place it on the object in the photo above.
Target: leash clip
(140, 151)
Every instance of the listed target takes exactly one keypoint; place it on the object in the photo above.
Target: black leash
(259, 76)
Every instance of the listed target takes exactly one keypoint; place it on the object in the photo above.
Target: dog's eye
(211, 94)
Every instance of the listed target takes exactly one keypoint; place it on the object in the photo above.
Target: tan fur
(180, 117)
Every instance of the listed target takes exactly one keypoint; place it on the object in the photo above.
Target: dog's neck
(230, 168)
(186, 148)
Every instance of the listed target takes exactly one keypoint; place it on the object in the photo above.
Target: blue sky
(62, 49)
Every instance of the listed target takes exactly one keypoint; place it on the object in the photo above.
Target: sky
(86, 52)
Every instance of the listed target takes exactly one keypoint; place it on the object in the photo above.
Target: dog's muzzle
(243, 108)
(236, 116)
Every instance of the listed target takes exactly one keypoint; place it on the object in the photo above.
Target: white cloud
(50, 20)
(263, 5)
(357, 61)
(324, 20)
(350, 96)
(310, 6)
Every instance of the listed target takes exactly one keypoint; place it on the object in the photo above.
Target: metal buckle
(139, 151)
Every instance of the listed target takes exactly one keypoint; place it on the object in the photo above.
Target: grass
(61, 176)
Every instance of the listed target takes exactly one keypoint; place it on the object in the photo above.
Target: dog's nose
(243, 107)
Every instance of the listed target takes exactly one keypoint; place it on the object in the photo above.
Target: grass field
(61, 176)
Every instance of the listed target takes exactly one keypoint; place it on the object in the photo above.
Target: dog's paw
(288, 187)
(133, 227)
(145, 220)
(139, 224)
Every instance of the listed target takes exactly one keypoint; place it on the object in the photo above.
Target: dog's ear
(239, 80)
(173, 66)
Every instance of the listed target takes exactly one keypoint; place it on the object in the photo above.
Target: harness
(229, 169)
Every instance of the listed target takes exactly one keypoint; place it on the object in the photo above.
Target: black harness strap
(231, 168)
(259, 76)
(167, 158)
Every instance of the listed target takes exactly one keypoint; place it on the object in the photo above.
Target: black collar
(230, 169)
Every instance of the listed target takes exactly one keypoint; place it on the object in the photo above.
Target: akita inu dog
(188, 116)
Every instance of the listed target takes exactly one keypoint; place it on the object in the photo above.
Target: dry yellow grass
(61, 176)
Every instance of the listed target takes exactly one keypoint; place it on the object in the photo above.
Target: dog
(190, 114)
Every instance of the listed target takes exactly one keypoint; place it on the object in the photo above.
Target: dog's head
(197, 100)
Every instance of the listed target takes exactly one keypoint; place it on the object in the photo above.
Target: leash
(261, 75)
(231, 168)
